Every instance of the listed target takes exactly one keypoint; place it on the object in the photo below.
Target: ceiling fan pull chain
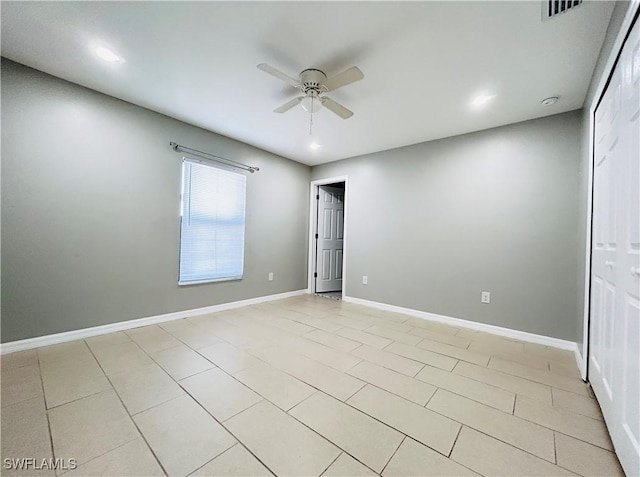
(311, 118)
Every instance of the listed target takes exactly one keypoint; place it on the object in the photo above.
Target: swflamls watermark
(31, 463)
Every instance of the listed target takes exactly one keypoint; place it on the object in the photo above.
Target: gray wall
(90, 211)
(434, 224)
(90, 225)
(615, 23)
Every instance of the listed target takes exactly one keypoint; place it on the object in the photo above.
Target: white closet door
(330, 241)
(615, 275)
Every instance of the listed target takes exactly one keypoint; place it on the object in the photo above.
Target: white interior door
(615, 274)
(330, 239)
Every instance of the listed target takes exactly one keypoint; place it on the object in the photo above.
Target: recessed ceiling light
(315, 146)
(481, 100)
(549, 101)
(107, 55)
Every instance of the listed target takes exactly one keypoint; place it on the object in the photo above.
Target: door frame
(313, 226)
(616, 50)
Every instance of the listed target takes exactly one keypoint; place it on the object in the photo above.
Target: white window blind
(212, 224)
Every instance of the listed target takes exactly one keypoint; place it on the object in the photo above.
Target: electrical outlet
(485, 297)
(270, 276)
(365, 280)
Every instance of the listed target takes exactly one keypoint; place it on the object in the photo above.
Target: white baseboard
(47, 340)
(30, 343)
(580, 362)
(459, 322)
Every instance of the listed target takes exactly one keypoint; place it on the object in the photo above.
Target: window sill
(212, 280)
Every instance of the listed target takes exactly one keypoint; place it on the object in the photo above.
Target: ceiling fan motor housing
(313, 83)
(312, 80)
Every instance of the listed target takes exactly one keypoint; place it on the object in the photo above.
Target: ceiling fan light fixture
(311, 104)
(313, 83)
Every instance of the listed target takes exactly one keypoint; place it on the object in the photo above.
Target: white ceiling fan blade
(287, 106)
(349, 76)
(336, 108)
(278, 74)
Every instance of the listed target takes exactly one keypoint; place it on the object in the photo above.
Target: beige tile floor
(303, 386)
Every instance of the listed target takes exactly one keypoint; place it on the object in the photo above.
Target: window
(212, 224)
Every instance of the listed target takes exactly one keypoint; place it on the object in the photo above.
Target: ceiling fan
(313, 83)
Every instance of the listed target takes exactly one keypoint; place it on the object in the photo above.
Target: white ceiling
(423, 63)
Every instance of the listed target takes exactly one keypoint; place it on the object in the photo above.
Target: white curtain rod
(205, 155)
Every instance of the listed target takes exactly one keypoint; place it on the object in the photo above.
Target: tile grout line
(364, 383)
(181, 341)
(127, 410)
(346, 371)
(570, 470)
(425, 406)
(75, 400)
(320, 390)
(46, 411)
(331, 463)
(104, 453)
(423, 365)
(238, 441)
(517, 377)
(395, 356)
(475, 381)
(221, 454)
(313, 430)
(581, 416)
(533, 380)
(467, 397)
(286, 412)
(107, 452)
(491, 437)
(240, 412)
(418, 372)
(569, 435)
(81, 397)
(154, 406)
(431, 397)
(507, 444)
(455, 441)
(207, 411)
(389, 391)
(396, 429)
(581, 439)
(395, 452)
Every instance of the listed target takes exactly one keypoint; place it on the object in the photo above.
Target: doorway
(327, 237)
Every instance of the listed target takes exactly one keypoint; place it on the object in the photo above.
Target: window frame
(223, 167)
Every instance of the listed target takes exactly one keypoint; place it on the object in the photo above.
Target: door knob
(635, 272)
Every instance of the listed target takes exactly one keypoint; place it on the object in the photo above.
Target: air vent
(551, 8)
